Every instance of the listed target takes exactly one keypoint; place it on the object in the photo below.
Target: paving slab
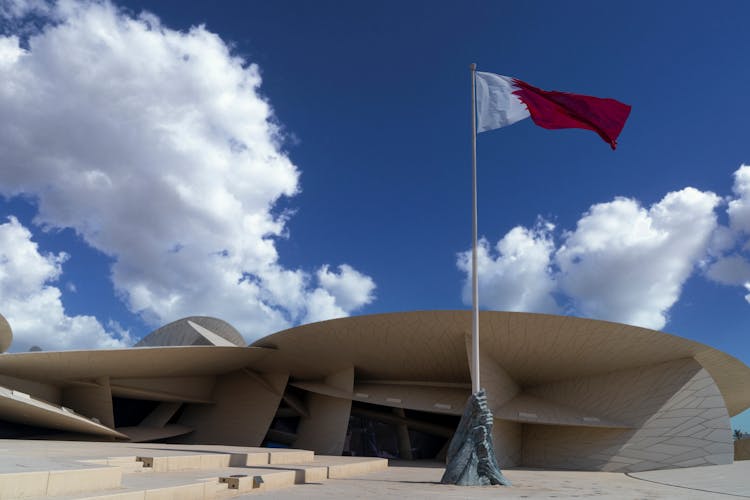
(40, 455)
(418, 480)
(732, 479)
(199, 483)
(415, 480)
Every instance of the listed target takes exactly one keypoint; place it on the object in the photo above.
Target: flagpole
(475, 386)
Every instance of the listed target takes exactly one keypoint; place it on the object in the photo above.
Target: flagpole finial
(473, 66)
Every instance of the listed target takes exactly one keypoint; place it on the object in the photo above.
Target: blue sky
(364, 170)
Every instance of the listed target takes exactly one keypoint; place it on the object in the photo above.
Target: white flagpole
(475, 387)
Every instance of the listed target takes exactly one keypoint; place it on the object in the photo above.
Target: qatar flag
(503, 100)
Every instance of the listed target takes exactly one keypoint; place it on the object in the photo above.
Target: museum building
(565, 392)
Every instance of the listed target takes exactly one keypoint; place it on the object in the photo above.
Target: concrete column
(324, 431)
(404, 443)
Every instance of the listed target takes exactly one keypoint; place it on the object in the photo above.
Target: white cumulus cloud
(157, 147)
(628, 264)
(517, 275)
(623, 262)
(739, 207)
(13, 9)
(731, 265)
(348, 287)
(31, 303)
(338, 293)
(730, 270)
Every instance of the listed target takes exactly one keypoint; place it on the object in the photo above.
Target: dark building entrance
(383, 431)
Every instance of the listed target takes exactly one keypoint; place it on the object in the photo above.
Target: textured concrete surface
(6, 334)
(422, 481)
(729, 479)
(565, 392)
(194, 330)
(742, 449)
(26, 456)
(128, 471)
(675, 412)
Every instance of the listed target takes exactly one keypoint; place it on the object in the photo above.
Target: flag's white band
(497, 106)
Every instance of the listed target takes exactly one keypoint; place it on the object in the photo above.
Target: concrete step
(165, 486)
(343, 467)
(290, 456)
(16, 485)
(208, 461)
(271, 477)
(185, 476)
(199, 485)
(275, 476)
(175, 463)
(127, 464)
(238, 480)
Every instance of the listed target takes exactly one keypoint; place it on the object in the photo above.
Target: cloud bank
(732, 265)
(623, 262)
(157, 147)
(517, 275)
(32, 303)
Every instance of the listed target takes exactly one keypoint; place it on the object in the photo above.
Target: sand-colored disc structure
(6, 334)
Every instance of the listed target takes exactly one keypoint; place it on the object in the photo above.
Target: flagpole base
(471, 454)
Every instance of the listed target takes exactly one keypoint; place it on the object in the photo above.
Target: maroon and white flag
(503, 100)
